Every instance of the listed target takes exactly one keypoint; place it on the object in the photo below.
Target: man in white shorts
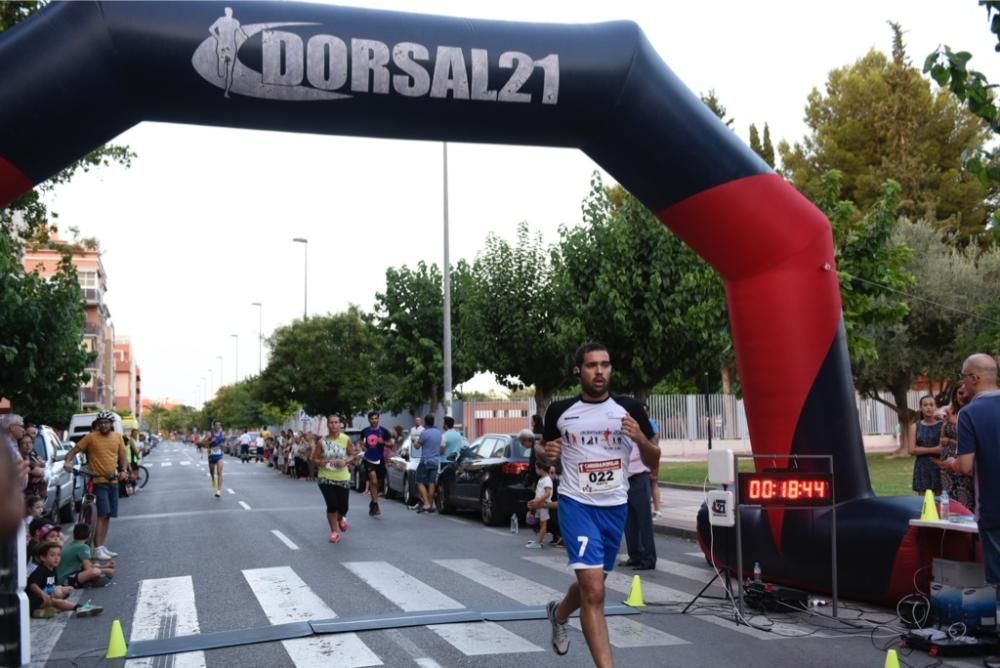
(593, 434)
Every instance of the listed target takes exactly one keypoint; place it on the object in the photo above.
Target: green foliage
(325, 364)
(181, 418)
(625, 280)
(234, 406)
(41, 361)
(762, 148)
(512, 321)
(711, 101)
(878, 120)
(409, 319)
(869, 260)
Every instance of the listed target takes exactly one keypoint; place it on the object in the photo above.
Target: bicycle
(88, 504)
(137, 479)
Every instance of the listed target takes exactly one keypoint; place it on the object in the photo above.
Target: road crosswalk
(167, 607)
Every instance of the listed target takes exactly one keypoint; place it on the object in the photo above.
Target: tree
(180, 418)
(409, 319)
(152, 416)
(512, 320)
(878, 120)
(762, 148)
(625, 280)
(234, 406)
(42, 364)
(948, 305)
(711, 101)
(325, 364)
(870, 263)
(972, 88)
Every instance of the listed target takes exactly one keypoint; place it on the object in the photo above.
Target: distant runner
(214, 442)
(374, 437)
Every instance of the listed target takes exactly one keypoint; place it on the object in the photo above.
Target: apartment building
(99, 331)
(128, 379)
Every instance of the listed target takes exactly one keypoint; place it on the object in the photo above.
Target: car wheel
(445, 506)
(489, 507)
(407, 494)
(66, 512)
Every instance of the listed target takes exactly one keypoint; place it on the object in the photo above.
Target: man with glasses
(108, 463)
(593, 435)
(979, 451)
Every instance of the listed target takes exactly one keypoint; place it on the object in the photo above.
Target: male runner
(214, 441)
(374, 437)
(108, 463)
(593, 434)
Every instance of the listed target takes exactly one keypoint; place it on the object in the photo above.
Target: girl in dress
(925, 445)
(960, 487)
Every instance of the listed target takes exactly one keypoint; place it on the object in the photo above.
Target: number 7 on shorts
(583, 540)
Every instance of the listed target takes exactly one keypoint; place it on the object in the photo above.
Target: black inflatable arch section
(78, 74)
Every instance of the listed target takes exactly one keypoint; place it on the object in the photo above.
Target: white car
(60, 503)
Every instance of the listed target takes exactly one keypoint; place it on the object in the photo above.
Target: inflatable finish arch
(78, 74)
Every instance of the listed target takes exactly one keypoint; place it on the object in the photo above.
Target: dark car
(401, 471)
(488, 476)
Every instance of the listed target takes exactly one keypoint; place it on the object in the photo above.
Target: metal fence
(681, 417)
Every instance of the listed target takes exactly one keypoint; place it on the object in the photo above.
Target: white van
(81, 424)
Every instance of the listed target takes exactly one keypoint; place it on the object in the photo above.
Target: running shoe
(533, 545)
(88, 609)
(560, 636)
(335, 537)
(101, 553)
(371, 508)
(44, 613)
(421, 510)
(378, 511)
(218, 493)
(343, 524)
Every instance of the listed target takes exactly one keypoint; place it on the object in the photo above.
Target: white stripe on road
(45, 633)
(185, 462)
(230, 490)
(696, 573)
(165, 608)
(694, 554)
(284, 539)
(622, 583)
(246, 506)
(427, 663)
(623, 631)
(165, 464)
(284, 597)
(410, 594)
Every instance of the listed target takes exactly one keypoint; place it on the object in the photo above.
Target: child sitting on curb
(543, 490)
(76, 567)
(45, 598)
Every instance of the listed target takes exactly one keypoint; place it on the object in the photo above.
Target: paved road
(259, 556)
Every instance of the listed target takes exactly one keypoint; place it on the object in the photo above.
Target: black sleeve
(550, 429)
(636, 410)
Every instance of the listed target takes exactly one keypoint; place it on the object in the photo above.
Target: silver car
(60, 502)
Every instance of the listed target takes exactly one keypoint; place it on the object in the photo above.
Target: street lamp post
(236, 372)
(305, 264)
(221, 381)
(447, 295)
(260, 335)
(211, 380)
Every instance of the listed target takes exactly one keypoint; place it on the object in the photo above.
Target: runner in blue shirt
(374, 439)
(214, 441)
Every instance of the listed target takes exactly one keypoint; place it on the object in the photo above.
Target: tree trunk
(905, 416)
(728, 406)
(727, 379)
(542, 399)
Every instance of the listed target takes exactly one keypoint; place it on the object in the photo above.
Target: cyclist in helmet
(108, 463)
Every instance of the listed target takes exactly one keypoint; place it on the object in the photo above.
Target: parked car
(401, 471)
(59, 504)
(80, 426)
(487, 476)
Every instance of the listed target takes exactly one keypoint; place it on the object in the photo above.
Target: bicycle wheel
(141, 476)
(88, 515)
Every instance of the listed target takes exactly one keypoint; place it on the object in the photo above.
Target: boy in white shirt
(543, 491)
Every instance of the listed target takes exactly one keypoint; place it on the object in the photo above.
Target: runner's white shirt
(595, 448)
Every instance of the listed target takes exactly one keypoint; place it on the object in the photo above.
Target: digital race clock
(786, 488)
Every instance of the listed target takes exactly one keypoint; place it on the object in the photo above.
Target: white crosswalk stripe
(621, 583)
(166, 603)
(410, 594)
(166, 464)
(623, 631)
(285, 597)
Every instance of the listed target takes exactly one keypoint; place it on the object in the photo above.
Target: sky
(202, 224)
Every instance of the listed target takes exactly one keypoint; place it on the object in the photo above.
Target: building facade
(99, 331)
(128, 379)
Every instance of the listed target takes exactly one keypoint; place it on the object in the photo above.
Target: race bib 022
(603, 476)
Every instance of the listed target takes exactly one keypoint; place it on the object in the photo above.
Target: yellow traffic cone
(891, 660)
(929, 512)
(116, 642)
(634, 599)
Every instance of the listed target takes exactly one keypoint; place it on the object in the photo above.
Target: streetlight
(260, 335)
(219, 357)
(236, 372)
(305, 291)
(211, 380)
(447, 294)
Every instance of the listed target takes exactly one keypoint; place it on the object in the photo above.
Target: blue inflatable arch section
(80, 73)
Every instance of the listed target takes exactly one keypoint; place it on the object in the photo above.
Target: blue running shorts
(592, 534)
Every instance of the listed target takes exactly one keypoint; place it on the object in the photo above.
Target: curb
(676, 531)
